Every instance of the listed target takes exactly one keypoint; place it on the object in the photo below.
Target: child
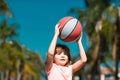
(58, 60)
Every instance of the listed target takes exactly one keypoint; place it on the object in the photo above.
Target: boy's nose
(62, 54)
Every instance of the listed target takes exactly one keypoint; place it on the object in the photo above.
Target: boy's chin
(62, 64)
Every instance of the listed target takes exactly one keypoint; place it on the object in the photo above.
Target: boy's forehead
(59, 49)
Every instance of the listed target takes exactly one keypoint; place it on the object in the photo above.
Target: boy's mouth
(62, 59)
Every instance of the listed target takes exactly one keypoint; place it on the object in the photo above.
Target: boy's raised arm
(83, 58)
(51, 49)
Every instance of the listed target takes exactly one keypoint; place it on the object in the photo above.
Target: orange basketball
(70, 29)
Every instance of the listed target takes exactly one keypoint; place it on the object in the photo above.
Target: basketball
(70, 29)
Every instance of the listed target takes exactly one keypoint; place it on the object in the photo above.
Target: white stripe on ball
(68, 28)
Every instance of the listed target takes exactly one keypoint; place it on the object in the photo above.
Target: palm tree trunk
(95, 52)
(7, 74)
(18, 70)
(117, 54)
(1, 75)
(115, 51)
(118, 43)
(95, 72)
(96, 67)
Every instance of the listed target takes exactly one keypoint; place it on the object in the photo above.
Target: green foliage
(100, 36)
(4, 9)
(13, 56)
(6, 30)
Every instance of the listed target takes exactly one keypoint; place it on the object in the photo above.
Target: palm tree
(19, 60)
(11, 55)
(7, 31)
(4, 8)
(32, 65)
(29, 65)
(20, 63)
(5, 63)
(97, 18)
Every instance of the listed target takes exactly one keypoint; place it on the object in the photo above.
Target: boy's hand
(80, 38)
(57, 29)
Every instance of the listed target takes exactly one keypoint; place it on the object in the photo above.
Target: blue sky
(37, 19)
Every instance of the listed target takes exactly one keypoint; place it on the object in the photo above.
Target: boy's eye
(58, 53)
(65, 54)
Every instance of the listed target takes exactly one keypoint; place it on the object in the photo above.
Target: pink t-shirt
(60, 72)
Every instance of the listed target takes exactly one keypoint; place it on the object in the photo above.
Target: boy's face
(60, 57)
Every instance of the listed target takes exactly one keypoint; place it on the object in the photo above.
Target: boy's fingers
(58, 26)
